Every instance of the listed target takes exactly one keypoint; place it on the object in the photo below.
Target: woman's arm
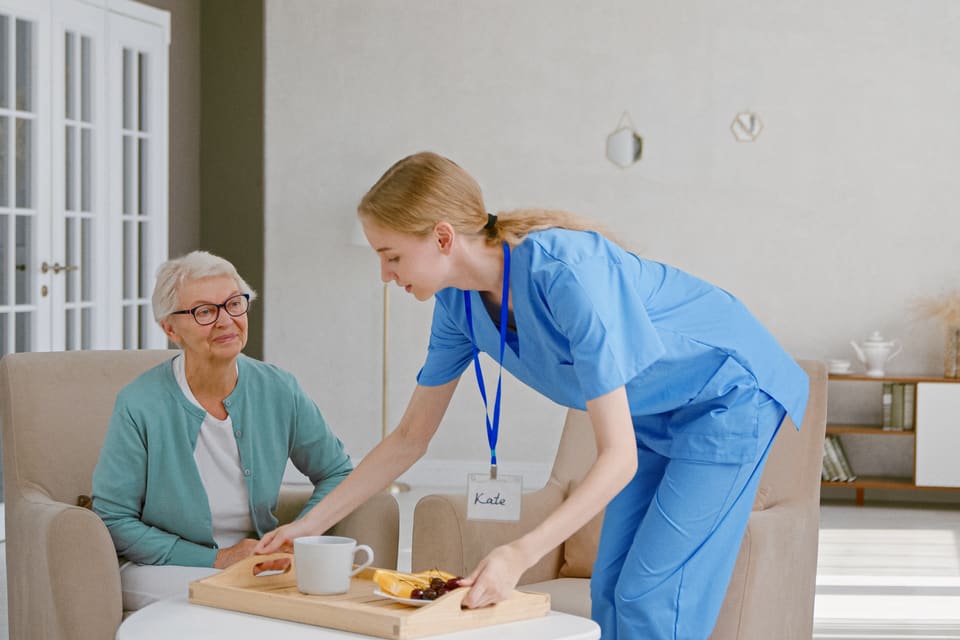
(398, 451)
(497, 574)
(119, 491)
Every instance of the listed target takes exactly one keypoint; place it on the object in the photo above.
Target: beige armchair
(771, 592)
(63, 577)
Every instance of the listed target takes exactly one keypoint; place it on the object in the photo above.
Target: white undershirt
(218, 461)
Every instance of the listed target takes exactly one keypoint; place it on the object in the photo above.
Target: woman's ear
(444, 234)
(169, 331)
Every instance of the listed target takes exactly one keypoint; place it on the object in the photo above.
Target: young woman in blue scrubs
(685, 390)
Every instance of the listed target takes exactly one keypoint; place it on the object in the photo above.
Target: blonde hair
(193, 266)
(425, 188)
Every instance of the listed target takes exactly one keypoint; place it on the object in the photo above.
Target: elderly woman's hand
(234, 554)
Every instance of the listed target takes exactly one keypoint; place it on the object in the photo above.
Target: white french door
(83, 173)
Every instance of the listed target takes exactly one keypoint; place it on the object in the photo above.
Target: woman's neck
(482, 266)
(210, 381)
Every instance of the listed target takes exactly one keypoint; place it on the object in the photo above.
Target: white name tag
(494, 499)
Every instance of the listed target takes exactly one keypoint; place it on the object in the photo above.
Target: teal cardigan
(146, 486)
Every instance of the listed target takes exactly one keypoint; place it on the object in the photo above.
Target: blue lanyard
(493, 430)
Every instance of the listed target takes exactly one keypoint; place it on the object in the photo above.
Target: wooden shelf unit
(883, 482)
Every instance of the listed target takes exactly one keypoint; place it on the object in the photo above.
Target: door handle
(56, 267)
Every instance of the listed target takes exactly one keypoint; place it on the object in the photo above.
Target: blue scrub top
(592, 317)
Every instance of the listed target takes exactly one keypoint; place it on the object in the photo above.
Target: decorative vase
(951, 352)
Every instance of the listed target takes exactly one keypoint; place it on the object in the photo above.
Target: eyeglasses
(208, 313)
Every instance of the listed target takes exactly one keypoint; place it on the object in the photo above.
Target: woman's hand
(281, 538)
(234, 554)
(495, 577)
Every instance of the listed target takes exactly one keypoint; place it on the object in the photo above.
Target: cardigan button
(238, 433)
(246, 472)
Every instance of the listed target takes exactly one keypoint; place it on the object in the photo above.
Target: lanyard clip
(493, 472)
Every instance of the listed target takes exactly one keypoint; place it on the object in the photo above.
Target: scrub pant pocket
(670, 541)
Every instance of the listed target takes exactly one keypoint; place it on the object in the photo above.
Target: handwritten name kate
(481, 498)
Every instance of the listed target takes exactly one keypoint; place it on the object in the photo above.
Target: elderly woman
(190, 471)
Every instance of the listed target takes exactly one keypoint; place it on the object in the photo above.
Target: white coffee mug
(324, 564)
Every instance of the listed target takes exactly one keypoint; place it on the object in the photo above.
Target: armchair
(63, 578)
(771, 592)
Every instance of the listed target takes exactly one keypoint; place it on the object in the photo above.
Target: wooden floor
(888, 572)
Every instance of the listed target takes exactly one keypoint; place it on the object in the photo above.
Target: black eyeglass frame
(220, 307)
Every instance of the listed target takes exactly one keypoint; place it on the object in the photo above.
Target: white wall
(827, 226)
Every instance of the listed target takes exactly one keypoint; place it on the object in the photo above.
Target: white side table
(177, 618)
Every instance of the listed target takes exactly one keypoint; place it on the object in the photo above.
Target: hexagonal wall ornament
(624, 145)
(746, 126)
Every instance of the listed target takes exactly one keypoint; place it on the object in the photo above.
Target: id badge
(494, 498)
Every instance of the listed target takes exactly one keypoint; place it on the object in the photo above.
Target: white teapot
(876, 352)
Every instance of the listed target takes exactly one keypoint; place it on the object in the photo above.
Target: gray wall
(827, 226)
(232, 143)
(216, 136)
(184, 200)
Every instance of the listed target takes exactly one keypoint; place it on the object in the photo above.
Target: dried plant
(945, 308)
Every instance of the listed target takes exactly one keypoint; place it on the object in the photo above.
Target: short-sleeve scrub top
(591, 317)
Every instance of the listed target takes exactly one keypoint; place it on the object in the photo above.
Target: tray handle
(241, 574)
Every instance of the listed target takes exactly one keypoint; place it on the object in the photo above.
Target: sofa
(771, 592)
(63, 578)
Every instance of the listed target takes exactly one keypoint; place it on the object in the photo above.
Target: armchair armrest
(76, 577)
(443, 538)
(376, 522)
(771, 592)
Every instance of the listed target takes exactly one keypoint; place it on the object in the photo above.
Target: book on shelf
(896, 408)
(836, 467)
(844, 460)
(887, 400)
(909, 401)
(898, 403)
(830, 473)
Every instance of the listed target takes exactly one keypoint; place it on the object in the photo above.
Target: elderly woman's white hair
(193, 266)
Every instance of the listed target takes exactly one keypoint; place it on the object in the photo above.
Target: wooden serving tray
(358, 610)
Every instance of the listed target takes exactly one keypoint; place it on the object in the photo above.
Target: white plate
(407, 601)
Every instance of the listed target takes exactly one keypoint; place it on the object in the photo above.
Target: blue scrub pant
(670, 541)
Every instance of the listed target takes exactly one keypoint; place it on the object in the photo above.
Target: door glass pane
(23, 335)
(143, 286)
(145, 319)
(70, 161)
(142, 87)
(69, 75)
(71, 241)
(86, 336)
(4, 62)
(4, 161)
(129, 327)
(4, 333)
(23, 279)
(129, 240)
(86, 79)
(128, 174)
(24, 171)
(128, 81)
(71, 330)
(85, 261)
(5, 261)
(24, 66)
(86, 160)
(142, 178)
